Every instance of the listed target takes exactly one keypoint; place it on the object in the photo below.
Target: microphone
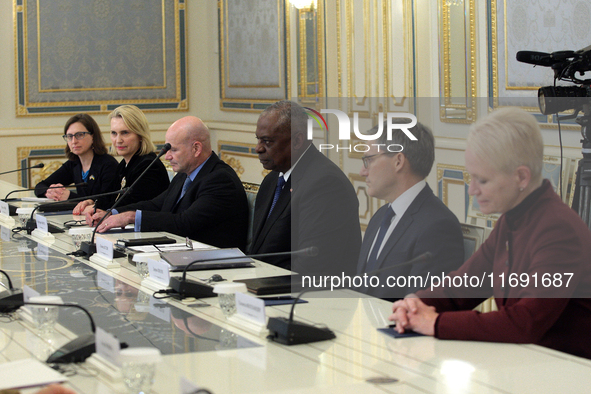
(164, 149)
(190, 288)
(40, 165)
(542, 58)
(31, 222)
(77, 350)
(290, 332)
(89, 248)
(81, 184)
(11, 295)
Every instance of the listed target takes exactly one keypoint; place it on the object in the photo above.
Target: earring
(520, 189)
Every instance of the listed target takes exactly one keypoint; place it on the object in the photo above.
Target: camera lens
(554, 99)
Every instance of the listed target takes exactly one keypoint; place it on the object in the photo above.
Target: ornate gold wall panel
(457, 61)
(74, 56)
(379, 55)
(254, 67)
(310, 48)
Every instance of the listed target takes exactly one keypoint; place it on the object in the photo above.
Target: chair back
(251, 190)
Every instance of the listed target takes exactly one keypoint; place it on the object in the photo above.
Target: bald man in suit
(205, 200)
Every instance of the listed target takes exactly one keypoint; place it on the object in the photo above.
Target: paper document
(36, 199)
(28, 373)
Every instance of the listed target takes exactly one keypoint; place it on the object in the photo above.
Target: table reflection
(121, 309)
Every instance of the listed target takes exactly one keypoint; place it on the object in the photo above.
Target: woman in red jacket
(536, 262)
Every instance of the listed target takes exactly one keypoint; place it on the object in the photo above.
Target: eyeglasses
(368, 159)
(74, 223)
(79, 135)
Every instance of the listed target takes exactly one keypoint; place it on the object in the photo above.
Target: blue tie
(185, 187)
(373, 256)
(280, 183)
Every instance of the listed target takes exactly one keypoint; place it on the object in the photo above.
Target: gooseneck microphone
(81, 184)
(40, 165)
(287, 331)
(31, 222)
(190, 288)
(77, 350)
(89, 248)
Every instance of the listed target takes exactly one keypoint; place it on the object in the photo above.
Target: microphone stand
(40, 165)
(89, 248)
(77, 350)
(45, 188)
(31, 222)
(289, 332)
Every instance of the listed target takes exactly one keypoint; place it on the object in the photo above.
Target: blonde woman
(130, 138)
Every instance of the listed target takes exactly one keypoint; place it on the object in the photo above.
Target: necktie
(373, 256)
(185, 187)
(280, 183)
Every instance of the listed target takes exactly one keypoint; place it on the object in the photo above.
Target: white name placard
(159, 271)
(4, 210)
(29, 292)
(104, 248)
(251, 307)
(107, 346)
(42, 223)
(188, 387)
(5, 233)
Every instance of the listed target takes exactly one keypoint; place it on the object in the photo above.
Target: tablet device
(208, 259)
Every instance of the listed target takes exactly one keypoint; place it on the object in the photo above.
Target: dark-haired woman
(88, 161)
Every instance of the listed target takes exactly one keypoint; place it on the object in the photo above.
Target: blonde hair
(508, 138)
(137, 123)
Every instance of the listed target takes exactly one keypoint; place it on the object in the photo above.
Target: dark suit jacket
(100, 175)
(213, 210)
(317, 207)
(426, 226)
(154, 181)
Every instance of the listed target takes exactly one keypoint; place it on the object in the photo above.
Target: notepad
(28, 373)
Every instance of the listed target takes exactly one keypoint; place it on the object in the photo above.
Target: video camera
(566, 64)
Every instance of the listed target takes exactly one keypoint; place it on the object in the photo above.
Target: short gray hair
(291, 117)
(508, 138)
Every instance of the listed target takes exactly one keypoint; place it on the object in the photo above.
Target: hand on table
(411, 313)
(83, 207)
(113, 221)
(57, 194)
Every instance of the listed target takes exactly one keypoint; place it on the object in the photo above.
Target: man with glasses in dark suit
(414, 220)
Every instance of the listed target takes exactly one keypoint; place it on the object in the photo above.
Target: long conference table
(201, 345)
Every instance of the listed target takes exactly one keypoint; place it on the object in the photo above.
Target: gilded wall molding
(253, 82)
(80, 58)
